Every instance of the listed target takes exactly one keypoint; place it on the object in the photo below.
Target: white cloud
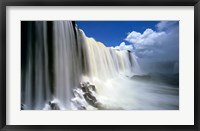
(148, 38)
(155, 47)
(123, 46)
(161, 44)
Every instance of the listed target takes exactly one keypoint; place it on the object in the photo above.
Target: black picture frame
(5, 3)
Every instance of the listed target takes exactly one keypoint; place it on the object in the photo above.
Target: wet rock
(82, 108)
(90, 99)
(92, 87)
(23, 106)
(54, 105)
(87, 88)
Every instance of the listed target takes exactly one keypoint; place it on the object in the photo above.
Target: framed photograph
(99, 65)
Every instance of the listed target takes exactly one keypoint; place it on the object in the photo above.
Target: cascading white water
(105, 62)
(36, 76)
(66, 73)
(78, 59)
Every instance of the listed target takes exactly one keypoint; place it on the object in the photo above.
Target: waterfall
(64, 69)
(105, 62)
(36, 80)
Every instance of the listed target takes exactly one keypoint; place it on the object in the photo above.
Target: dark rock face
(23, 106)
(87, 88)
(90, 99)
(54, 106)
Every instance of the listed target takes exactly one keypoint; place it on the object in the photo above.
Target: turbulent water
(62, 69)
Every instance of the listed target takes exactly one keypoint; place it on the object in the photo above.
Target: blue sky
(112, 33)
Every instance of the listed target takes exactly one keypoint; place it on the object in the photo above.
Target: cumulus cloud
(157, 46)
(148, 38)
(123, 46)
(161, 44)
